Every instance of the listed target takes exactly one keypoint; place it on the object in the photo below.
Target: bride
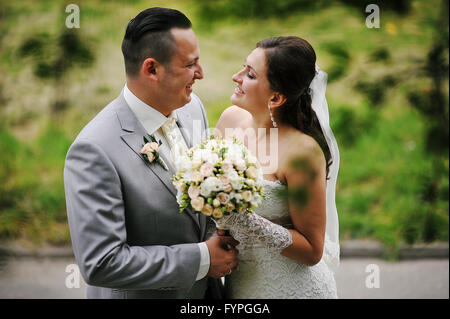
(289, 248)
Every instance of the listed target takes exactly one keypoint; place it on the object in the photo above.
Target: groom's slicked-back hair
(148, 35)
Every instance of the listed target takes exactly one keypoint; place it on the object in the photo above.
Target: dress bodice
(275, 208)
(265, 273)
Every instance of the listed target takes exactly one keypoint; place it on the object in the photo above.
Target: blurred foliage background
(387, 93)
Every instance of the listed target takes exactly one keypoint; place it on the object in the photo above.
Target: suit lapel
(185, 125)
(133, 137)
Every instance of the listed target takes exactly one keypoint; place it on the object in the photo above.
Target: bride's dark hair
(290, 69)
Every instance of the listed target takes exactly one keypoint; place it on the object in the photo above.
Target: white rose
(227, 166)
(227, 188)
(207, 169)
(186, 175)
(197, 176)
(206, 155)
(217, 213)
(234, 152)
(224, 179)
(211, 184)
(151, 157)
(250, 182)
(197, 203)
(147, 148)
(252, 172)
(240, 165)
(154, 146)
(196, 163)
(247, 195)
(201, 155)
(236, 181)
(214, 158)
(184, 164)
(223, 198)
(207, 210)
(193, 191)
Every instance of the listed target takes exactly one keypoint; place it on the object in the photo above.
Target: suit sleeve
(96, 217)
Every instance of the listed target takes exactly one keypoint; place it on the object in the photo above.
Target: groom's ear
(276, 100)
(150, 69)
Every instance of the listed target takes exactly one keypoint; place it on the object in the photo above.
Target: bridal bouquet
(217, 178)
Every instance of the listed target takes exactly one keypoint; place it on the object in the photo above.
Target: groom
(129, 239)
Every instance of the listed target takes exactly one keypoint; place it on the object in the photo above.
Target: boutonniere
(150, 150)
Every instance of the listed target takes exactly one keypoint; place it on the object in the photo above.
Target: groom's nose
(199, 72)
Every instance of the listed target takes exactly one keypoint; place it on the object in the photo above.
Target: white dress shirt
(152, 120)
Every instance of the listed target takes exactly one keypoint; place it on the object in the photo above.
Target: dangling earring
(271, 117)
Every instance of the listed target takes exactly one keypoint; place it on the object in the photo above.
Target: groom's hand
(223, 256)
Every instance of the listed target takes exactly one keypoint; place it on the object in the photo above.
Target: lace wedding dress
(263, 271)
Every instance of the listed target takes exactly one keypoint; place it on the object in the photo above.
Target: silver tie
(174, 138)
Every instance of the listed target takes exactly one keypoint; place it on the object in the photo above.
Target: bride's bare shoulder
(298, 147)
(232, 116)
(235, 113)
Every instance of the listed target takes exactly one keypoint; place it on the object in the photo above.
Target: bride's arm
(305, 173)
(256, 228)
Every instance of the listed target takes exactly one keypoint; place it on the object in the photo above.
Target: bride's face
(253, 89)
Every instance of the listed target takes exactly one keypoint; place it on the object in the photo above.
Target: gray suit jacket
(129, 239)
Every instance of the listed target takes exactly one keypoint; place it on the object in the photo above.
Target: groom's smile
(184, 68)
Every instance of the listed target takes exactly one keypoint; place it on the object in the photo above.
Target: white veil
(319, 104)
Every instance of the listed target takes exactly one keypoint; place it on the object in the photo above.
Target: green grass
(385, 170)
(32, 204)
(390, 168)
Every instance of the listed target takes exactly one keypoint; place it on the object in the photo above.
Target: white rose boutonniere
(150, 150)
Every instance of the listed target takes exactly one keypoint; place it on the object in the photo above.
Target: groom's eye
(191, 64)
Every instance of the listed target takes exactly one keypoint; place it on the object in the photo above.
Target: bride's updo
(291, 66)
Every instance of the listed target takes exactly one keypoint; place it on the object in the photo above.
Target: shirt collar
(150, 118)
